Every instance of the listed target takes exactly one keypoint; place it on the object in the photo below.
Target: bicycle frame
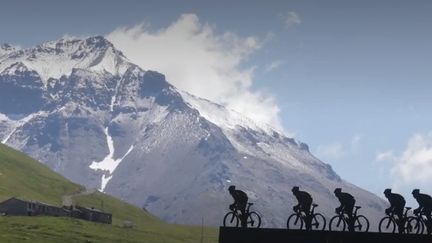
(399, 222)
(343, 216)
(302, 215)
(250, 217)
(404, 215)
(238, 213)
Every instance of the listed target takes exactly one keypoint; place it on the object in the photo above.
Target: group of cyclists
(397, 205)
(347, 209)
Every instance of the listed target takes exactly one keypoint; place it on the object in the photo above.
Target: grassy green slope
(21, 176)
(54, 230)
(24, 177)
(145, 222)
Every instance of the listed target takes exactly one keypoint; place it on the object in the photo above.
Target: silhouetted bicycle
(422, 222)
(232, 219)
(298, 220)
(340, 221)
(389, 224)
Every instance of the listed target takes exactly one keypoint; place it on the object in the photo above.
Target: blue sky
(353, 79)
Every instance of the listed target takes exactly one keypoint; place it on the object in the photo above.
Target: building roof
(28, 201)
(92, 209)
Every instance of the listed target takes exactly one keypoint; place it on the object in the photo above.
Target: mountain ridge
(56, 58)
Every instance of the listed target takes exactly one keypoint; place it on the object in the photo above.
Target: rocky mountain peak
(57, 58)
(6, 48)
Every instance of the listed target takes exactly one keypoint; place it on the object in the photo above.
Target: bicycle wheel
(427, 227)
(422, 226)
(361, 224)
(413, 226)
(318, 222)
(231, 220)
(295, 222)
(337, 223)
(387, 225)
(254, 220)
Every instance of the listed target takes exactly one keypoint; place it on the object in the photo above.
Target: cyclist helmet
(337, 190)
(387, 191)
(295, 189)
(231, 188)
(416, 192)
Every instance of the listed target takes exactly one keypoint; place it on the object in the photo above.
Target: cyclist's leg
(308, 220)
(400, 219)
(428, 212)
(349, 211)
(243, 216)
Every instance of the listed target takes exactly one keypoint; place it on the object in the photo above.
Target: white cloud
(385, 156)
(291, 19)
(197, 59)
(413, 167)
(273, 65)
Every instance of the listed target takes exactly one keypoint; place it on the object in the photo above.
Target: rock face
(83, 109)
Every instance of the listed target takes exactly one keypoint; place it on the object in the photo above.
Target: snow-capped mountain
(94, 54)
(82, 108)
(6, 49)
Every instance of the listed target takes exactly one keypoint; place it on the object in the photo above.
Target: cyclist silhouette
(425, 206)
(304, 204)
(347, 206)
(397, 205)
(240, 202)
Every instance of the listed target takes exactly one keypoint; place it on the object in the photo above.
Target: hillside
(24, 177)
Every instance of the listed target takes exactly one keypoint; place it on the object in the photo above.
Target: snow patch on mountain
(15, 68)
(234, 124)
(222, 116)
(6, 126)
(3, 117)
(18, 124)
(108, 164)
(6, 49)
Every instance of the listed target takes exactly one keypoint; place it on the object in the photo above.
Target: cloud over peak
(197, 59)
